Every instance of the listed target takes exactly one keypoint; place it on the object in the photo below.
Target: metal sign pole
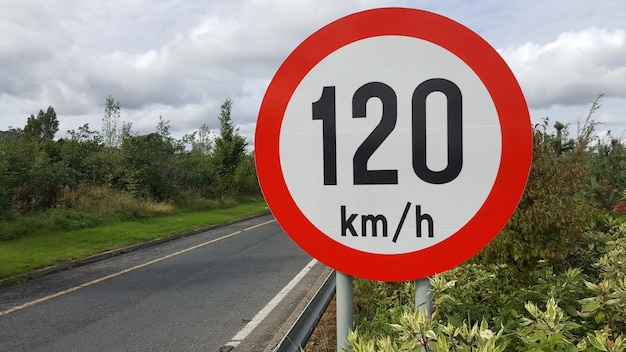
(423, 298)
(344, 309)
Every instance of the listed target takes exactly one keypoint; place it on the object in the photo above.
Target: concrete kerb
(17, 279)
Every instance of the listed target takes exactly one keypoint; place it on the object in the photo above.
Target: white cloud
(182, 58)
(573, 68)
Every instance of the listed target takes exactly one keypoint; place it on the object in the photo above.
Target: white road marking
(93, 282)
(258, 318)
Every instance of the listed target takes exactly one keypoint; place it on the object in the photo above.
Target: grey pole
(423, 298)
(344, 309)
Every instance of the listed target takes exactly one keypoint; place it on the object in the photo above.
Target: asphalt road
(192, 294)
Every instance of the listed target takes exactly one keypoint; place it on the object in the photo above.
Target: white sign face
(401, 63)
(393, 144)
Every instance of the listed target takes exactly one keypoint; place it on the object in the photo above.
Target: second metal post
(344, 309)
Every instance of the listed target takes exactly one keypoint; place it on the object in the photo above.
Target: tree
(608, 174)
(10, 134)
(110, 132)
(230, 148)
(83, 150)
(201, 140)
(10, 158)
(163, 130)
(554, 212)
(109, 158)
(35, 171)
(43, 127)
(32, 174)
(84, 134)
(246, 180)
(148, 170)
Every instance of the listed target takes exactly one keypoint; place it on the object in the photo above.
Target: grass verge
(47, 248)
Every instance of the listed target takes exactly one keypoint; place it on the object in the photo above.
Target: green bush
(477, 308)
(73, 220)
(85, 207)
(55, 220)
(192, 200)
(379, 303)
(554, 213)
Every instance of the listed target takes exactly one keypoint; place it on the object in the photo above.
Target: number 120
(325, 109)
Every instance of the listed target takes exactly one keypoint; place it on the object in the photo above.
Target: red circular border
(514, 123)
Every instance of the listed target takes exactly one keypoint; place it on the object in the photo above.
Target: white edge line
(258, 318)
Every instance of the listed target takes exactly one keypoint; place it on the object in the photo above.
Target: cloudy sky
(181, 58)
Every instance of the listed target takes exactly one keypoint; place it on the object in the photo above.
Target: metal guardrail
(303, 327)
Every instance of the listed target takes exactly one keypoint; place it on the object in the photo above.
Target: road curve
(199, 293)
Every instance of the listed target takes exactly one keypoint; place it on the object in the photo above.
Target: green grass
(46, 248)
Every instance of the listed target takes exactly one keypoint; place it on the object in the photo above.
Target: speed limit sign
(393, 144)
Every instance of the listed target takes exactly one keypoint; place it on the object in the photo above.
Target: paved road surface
(191, 294)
